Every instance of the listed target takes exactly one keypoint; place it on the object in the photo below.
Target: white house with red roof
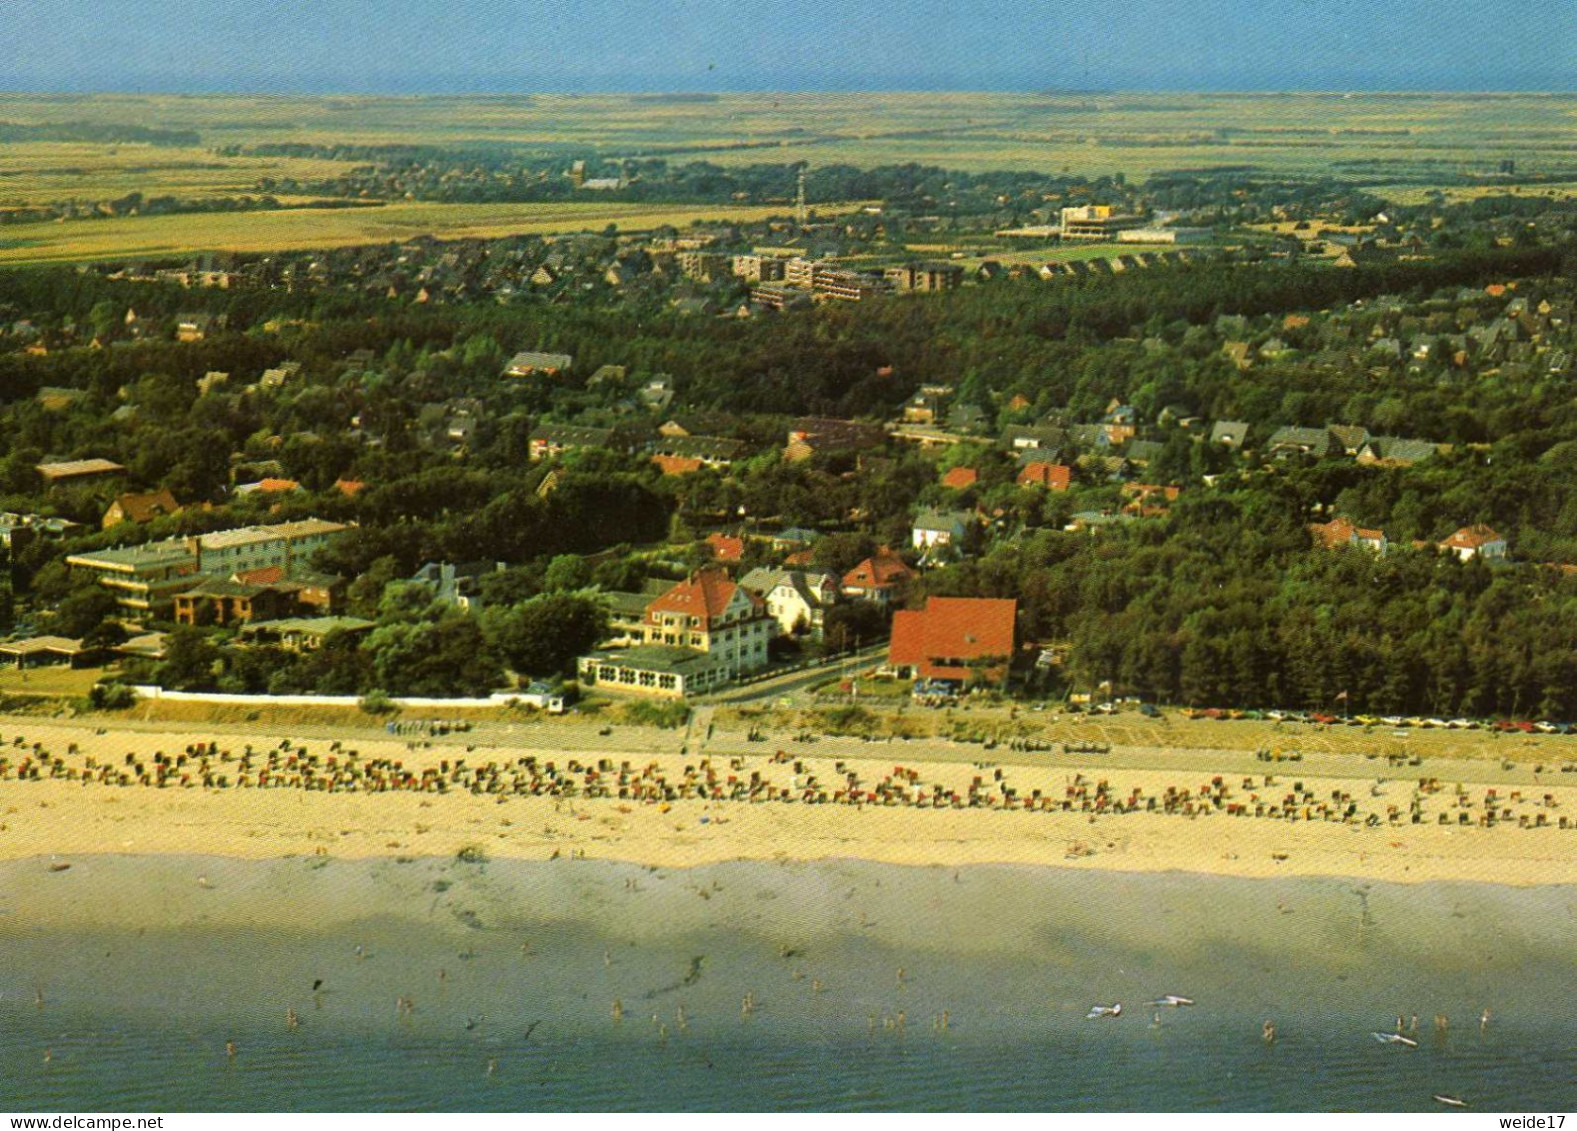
(878, 578)
(1476, 541)
(701, 634)
(709, 612)
(1340, 532)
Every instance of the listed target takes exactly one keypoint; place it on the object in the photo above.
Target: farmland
(1091, 134)
(1401, 143)
(160, 236)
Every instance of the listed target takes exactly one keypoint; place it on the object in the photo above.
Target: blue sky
(464, 46)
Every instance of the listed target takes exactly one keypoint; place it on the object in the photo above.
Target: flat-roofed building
(147, 578)
(70, 472)
(925, 276)
(1095, 222)
(530, 363)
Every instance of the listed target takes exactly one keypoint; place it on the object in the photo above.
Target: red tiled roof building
(952, 637)
(1052, 476)
(877, 577)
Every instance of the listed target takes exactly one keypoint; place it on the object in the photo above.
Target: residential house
(454, 584)
(626, 617)
(1476, 541)
(1351, 437)
(606, 375)
(1291, 441)
(279, 376)
(939, 529)
(793, 539)
(141, 508)
(549, 440)
(1229, 434)
(1143, 451)
(193, 327)
(881, 578)
(224, 601)
(725, 547)
(303, 634)
(960, 478)
(1148, 500)
(679, 455)
(1051, 476)
(926, 405)
(796, 599)
(1022, 436)
(530, 363)
(1120, 422)
(1341, 532)
(955, 640)
(811, 436)
(1395, 451)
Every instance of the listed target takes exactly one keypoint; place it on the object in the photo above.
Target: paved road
(799, 680)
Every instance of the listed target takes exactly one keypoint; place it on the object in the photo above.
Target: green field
(1399, 142)
(151, 237)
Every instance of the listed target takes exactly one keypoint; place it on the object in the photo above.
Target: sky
(529, 46)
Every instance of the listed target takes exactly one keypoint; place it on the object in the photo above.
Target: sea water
(786, 987)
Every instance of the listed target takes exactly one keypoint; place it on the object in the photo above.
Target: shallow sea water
(137, 1020)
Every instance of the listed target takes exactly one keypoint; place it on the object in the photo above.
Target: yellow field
(43, 172)
(144, 237)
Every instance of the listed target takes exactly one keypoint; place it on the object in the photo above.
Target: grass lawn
(49, 680)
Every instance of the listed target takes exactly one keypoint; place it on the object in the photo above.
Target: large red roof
(1053, 476)
(705, 593)
(940, 641)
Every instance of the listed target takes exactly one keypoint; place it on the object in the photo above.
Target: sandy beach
(924, 802)
(491, 919)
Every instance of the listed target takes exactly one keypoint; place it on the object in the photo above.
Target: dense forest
(1220, 601)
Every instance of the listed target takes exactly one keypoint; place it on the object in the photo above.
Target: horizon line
(691, 92)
